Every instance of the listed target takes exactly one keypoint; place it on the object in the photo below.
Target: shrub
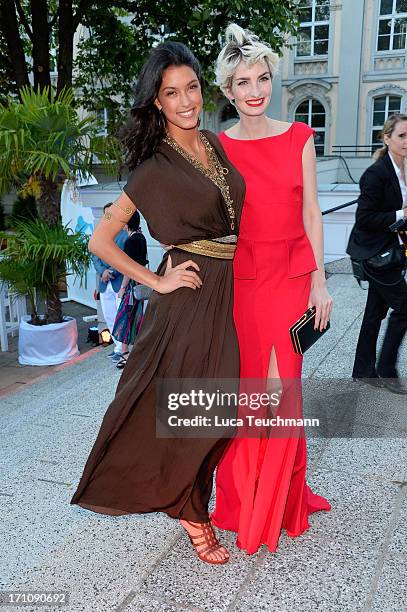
(24, 209)
(2, 217)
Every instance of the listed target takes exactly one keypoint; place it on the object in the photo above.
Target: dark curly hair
(145, 127)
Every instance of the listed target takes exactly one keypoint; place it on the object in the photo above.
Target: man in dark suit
(380, 204)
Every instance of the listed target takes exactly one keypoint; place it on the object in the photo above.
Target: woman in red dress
(279, 273)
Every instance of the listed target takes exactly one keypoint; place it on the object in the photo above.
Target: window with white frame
(313, 114)
(392, 25)
(383, 107)
(313, 33)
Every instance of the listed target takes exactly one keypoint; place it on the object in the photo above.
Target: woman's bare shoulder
(280, 126)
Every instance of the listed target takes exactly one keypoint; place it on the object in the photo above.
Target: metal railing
(353, 149)
(339, 207)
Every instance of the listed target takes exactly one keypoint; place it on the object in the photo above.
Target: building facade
(343, 74)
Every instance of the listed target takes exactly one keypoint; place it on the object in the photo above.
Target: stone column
(350, 72)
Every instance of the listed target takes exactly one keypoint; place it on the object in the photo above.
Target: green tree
(104, 73)
(43, 142)
(32, 28)
(200, 25)
(23, 208)
(120, 34)
(29, 28)
(2, 219)
(7, 83)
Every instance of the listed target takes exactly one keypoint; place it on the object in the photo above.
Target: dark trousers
(379, 300)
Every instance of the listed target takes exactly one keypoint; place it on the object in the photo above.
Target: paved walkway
(14, 376)
(353, 558)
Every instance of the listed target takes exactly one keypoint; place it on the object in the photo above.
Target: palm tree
(36, 258)
(43, 142)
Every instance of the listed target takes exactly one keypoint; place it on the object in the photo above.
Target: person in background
(130, 311)
(382, 201)
(110, 282)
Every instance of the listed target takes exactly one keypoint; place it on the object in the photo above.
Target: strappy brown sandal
(208, 538)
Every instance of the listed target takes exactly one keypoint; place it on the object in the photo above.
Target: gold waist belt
(209, 248)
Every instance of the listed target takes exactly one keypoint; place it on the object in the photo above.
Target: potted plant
(43, 143)
(36, 257)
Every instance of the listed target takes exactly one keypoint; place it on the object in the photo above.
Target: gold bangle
(108, 215)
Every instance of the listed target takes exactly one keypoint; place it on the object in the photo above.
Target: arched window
(313, 114)
(383, 107)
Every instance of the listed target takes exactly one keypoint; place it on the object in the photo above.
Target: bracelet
(127, 211)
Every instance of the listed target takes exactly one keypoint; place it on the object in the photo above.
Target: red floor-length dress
(260, 483)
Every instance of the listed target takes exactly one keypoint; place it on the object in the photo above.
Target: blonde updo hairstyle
(388, 130)
(242, 45)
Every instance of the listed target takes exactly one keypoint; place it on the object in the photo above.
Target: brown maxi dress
(185, 334)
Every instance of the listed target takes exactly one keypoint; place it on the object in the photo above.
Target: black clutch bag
(303, 335)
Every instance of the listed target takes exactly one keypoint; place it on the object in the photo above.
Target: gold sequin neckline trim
(215, 173)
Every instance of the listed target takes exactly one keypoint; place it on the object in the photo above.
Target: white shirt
(403, 186)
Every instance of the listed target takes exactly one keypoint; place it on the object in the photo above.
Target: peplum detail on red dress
(260, 484)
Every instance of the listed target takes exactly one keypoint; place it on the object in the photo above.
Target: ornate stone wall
(311, 68)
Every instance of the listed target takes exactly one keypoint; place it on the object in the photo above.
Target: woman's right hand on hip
(175, 278)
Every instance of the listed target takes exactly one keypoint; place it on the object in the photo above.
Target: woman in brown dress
(191, 197)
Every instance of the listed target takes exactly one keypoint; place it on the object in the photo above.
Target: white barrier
(12, 309)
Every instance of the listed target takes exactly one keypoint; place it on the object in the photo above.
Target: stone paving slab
(381, 458)
(102, 559)
(362, 507)
(398, 541)
(12, 374)
(391, 592)
(339, 266)
(353, 558)
(140, 602)
(310, 575)
(186, 581)
(380, 408)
